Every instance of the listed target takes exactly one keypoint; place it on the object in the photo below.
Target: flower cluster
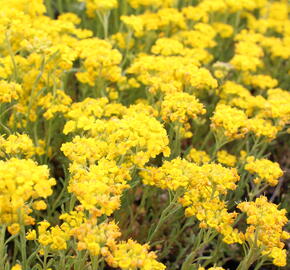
(180, 107)
(99, 239)
(264, 170)
(93, 6)
(265, 228)
(225, 158)
(9, 91)
(204, 185)
(229, 121)
(198, 156)
(99, 187)
(22, 180)
(131, 123)
(131, 255)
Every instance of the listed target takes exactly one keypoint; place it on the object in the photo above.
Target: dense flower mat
(144, 134)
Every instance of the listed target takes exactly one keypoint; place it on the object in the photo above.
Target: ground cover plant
(144, 134)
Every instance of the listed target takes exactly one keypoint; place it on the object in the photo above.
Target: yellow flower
(231, 121)
(167, 46)
(53, 104)
(99, 186)
(225, 158)
(203, 185)
(246, 63)
(9, 91)
(39, 205)
(197, 156)
(95, 237)
(266, 225)
(16, 267)
(23, 180)
(279, 256)
(146, 3)
(31, 235)
(261, 127)
(99, 5)
(17, 145)
(181, 107)
(264, 169)
(172, 175)
(54, 237)
(14, 228)
(130, 255)
(134, 137)
(260, 81)
(277, 107)
(99, 61)
(224, 30)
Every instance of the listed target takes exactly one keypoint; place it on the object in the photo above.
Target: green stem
(49, 8)
(15, 74)
(2, 245)
(95, 262)
(23, 248)
(72, 202)
(252, 256)
(205, 141)
(59, 6)
(48, 139)
(176, 144)
(80, 260)
(164, 216)
(237, 22)
(45, 259)
(257, 190)
(220, 142)
(174, 238)
(104, 19)
(258, 265)
(202, 240)
(62, 260)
